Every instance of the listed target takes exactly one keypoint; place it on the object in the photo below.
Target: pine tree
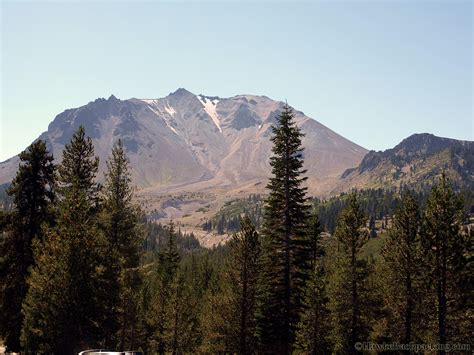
(447, 250)
(182, 332)
(312, 336)
(286, 243)
(79, 166)
(164, 282)
(170, 258)
(81, 311)
(120, 224)
(314, 236)
(32, 192)
(235, 316)
(45, 308)
(402, 274)
(245, 256)
(348, 279)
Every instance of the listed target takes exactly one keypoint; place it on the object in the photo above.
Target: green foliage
(32, 194)
(286, 245)
(235, 319)
(79, 166)
(312, 335)
(348, 287)
(166, 318)
(6, 201)
(157, 237)
(448, 253)
(76, 243)
(46, 306)
(92, 273)
(121, 228)
(81, 311)
(401, 275)
(378, 203)
(228, 217)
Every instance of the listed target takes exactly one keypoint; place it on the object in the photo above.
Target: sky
(374, 72)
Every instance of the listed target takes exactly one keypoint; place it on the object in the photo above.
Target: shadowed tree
(32, 192)
(447, 252)
(312, 336)
(402, 273)
(348, 279)
(73, 318)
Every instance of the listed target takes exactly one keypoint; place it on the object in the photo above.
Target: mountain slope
(417, 160)
(197, 142)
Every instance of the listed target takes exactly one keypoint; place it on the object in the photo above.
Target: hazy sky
(374, 72)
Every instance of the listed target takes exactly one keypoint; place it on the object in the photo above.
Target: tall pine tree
(78, 168)
(234, 320)
(32, 192)
(447, 252)
(286, 243)
(313, 333)
(77, 247)
(348, 279)
(120, 224)
(402, 274)
(158, 317)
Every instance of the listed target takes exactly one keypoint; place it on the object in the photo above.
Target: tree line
(81, 269)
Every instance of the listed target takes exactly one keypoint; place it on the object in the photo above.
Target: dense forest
(82, 268)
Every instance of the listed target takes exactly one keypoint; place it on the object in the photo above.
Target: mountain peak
(417, 159)
(426, 143)
(186, 139)
(181, 92)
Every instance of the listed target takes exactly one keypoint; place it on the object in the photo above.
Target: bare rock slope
(198, 142)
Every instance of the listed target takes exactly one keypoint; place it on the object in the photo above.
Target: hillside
(416, 161)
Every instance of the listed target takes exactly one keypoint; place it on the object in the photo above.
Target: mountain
(415, 161)
(196, 142)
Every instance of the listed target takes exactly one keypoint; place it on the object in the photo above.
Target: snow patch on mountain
(210, 108)
(170, 109)
(166, 119)
(150, 101)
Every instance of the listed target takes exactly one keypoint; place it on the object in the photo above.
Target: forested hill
(414, 162)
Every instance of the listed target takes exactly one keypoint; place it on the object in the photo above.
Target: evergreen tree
(402, 274)
(182, 334)
(373, 232)
(314, 236)
(45, 309)
(286, 243)
(447, 252)
(235, 317)
(312, 336)
(245, 257)
(120, 223)
(348, 279)
(78, 168)
(159, 320)
(80, 241)
(32, 192)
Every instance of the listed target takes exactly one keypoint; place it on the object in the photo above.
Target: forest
(81, 267)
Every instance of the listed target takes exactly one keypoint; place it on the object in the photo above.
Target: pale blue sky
(374, 72)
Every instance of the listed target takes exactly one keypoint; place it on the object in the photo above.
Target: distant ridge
(416, 160)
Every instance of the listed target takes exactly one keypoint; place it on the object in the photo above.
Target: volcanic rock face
(197, 141)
